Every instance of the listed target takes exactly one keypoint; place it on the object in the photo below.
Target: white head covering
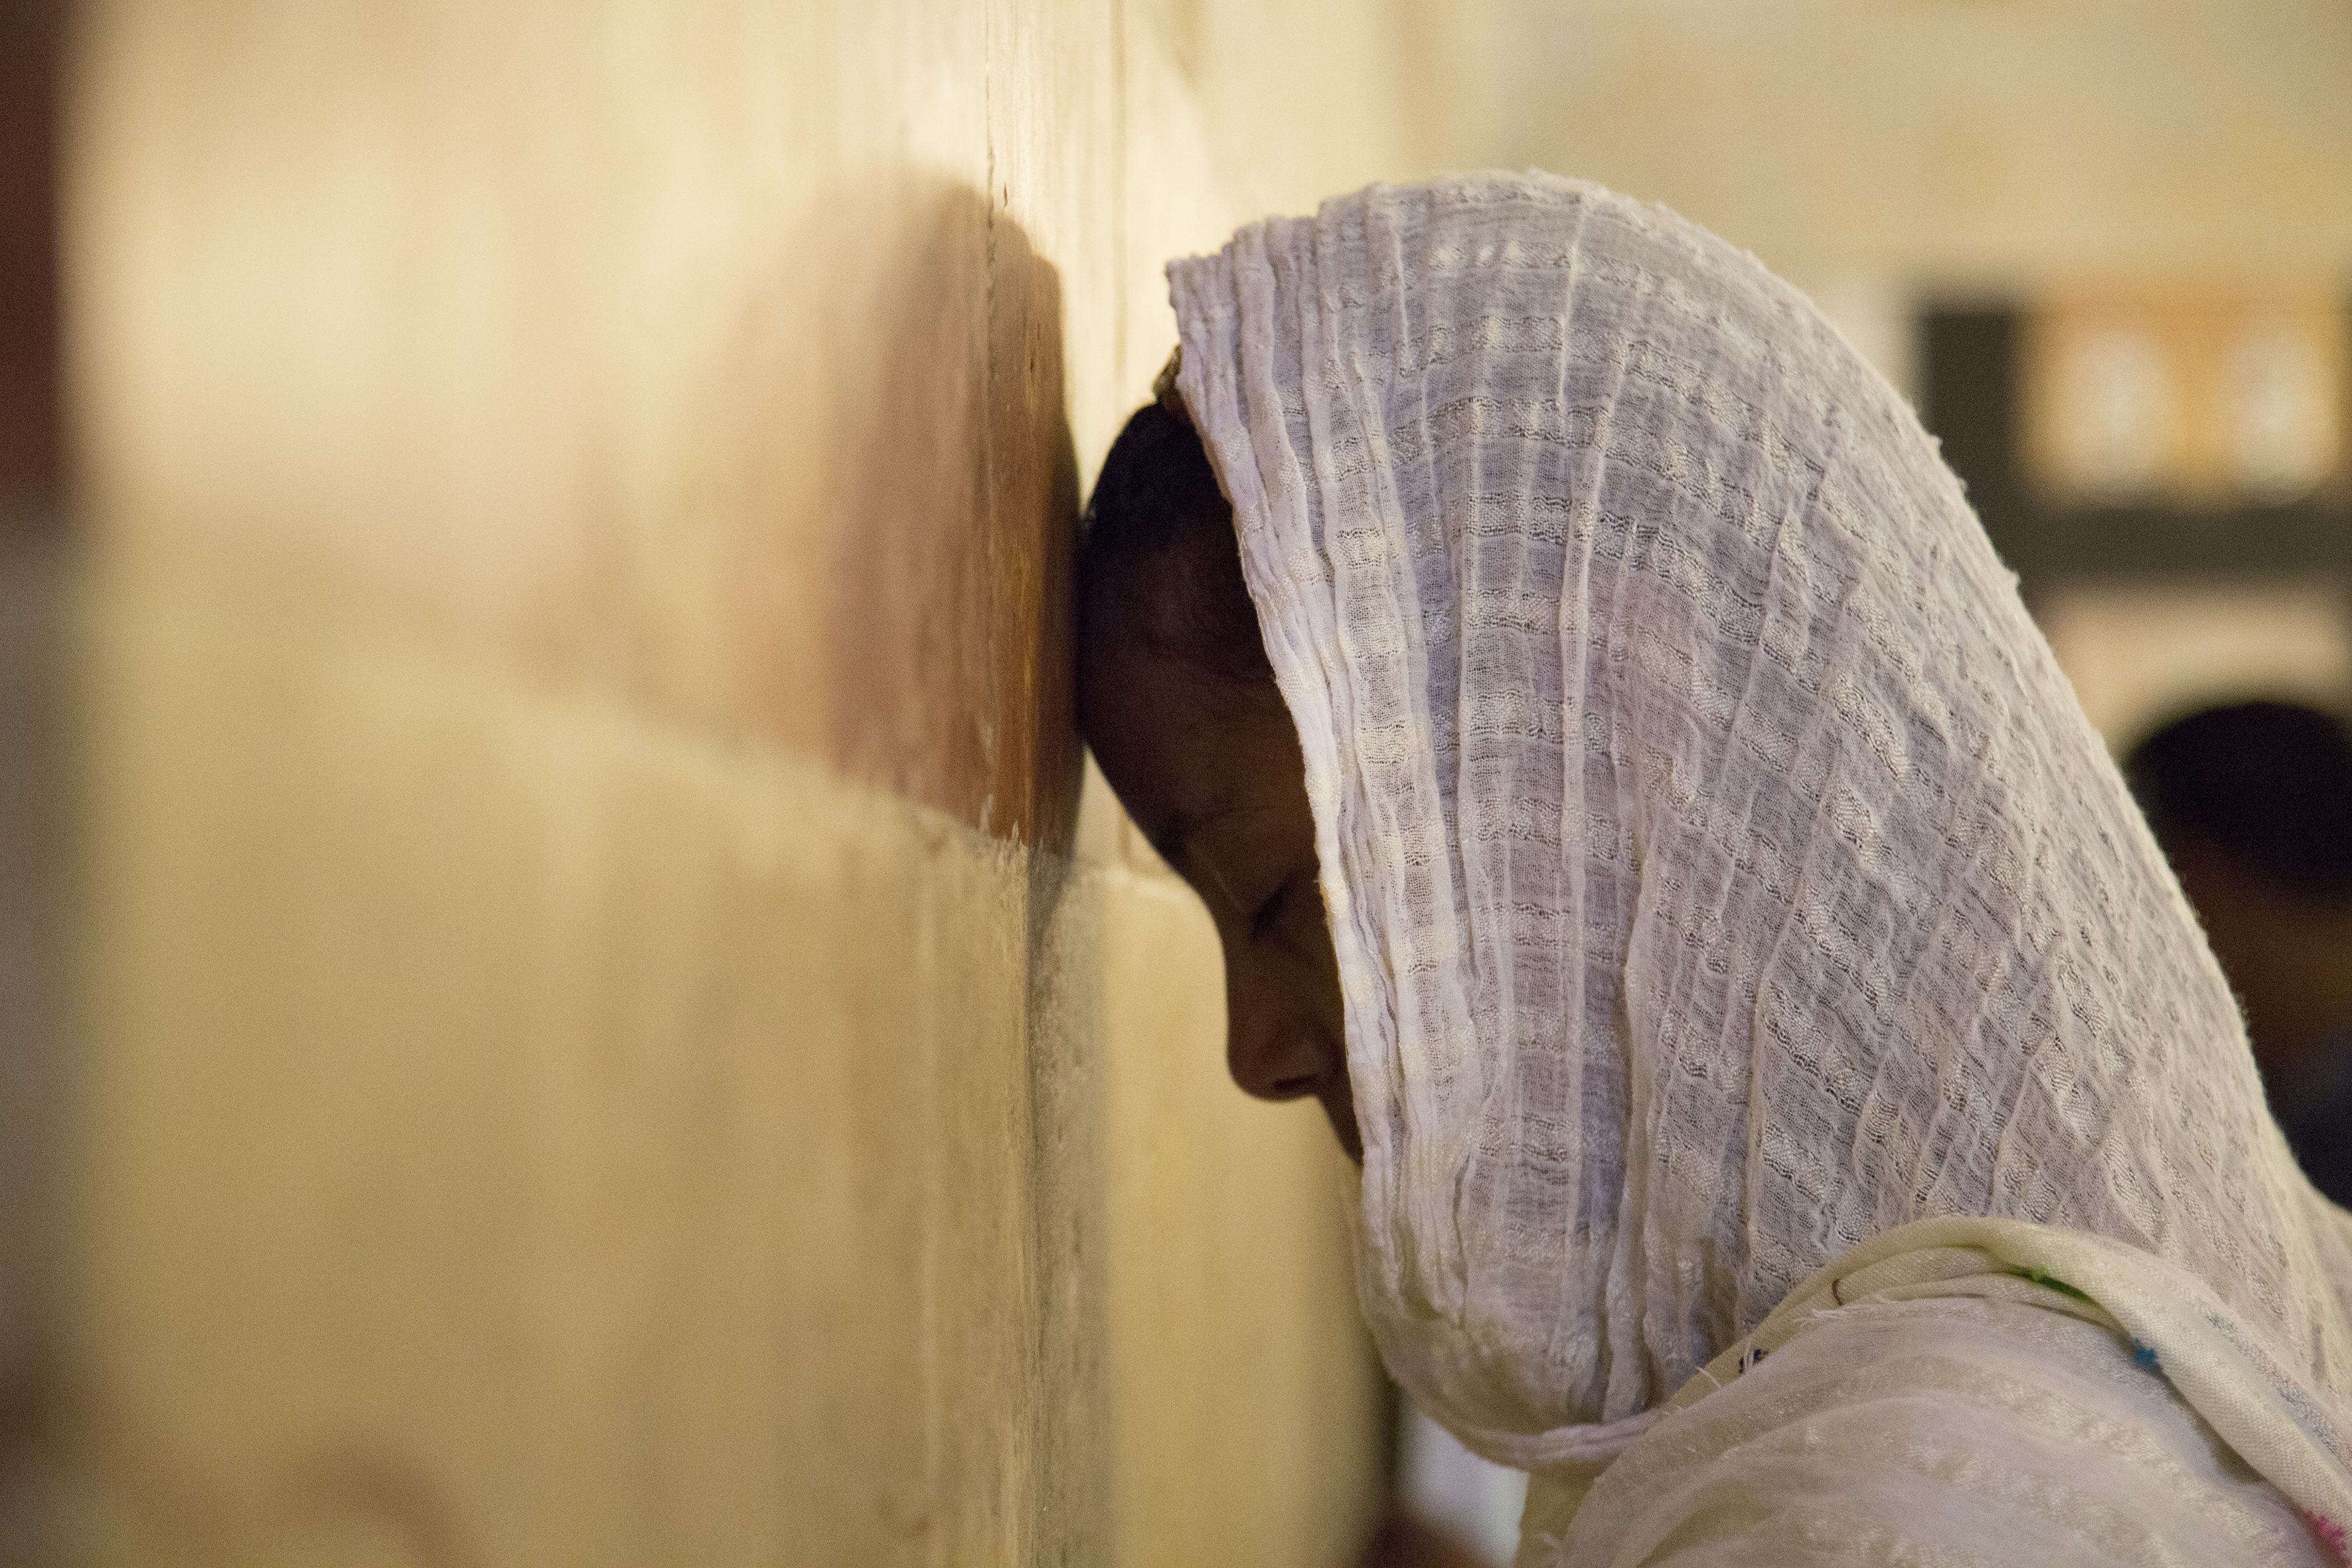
(1721, 871)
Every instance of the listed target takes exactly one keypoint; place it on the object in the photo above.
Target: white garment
(1721, 871)
(1979, 1432)
(1936, 1411)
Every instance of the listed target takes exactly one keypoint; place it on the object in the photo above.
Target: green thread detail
(2041, 1277)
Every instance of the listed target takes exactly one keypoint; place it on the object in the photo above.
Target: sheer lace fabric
(1722, 872)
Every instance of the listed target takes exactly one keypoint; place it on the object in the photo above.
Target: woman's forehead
(1186, 749)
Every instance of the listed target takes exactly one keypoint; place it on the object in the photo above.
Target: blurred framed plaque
(2168, 467)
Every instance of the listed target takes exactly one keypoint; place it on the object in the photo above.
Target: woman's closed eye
(1269, 913)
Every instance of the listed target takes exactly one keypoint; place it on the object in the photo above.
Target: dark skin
(1207, 762)
(2289, 959)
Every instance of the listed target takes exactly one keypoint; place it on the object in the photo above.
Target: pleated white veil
(1722, 872)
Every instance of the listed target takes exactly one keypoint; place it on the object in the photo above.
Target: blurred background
(570, 994)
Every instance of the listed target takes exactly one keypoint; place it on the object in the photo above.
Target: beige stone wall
(609, 1035)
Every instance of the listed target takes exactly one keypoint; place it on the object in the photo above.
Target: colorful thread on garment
(2040, 1277)
(2144, 1357)
(2329, 1532)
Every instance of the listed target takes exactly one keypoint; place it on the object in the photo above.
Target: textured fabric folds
(1722, 873)
(1985, 1433)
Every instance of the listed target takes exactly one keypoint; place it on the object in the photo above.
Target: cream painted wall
(2141, 654)
(609, 1037)
(1876, 153)
(1956, 143)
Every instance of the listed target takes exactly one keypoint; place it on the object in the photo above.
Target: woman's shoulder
(1945, 1430)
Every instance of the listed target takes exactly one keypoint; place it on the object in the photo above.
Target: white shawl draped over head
(1722, 873)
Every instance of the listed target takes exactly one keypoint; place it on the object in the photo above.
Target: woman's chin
(1340, 1110)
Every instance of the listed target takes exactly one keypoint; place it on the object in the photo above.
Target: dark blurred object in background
(31, 34)
(1404, 1541)
(33, 713)
(2253, 803)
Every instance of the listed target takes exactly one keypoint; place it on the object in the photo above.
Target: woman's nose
(1271, 1056)
(1283, 1066)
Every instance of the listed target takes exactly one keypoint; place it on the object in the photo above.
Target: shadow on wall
(952, 507)
(949, 640)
